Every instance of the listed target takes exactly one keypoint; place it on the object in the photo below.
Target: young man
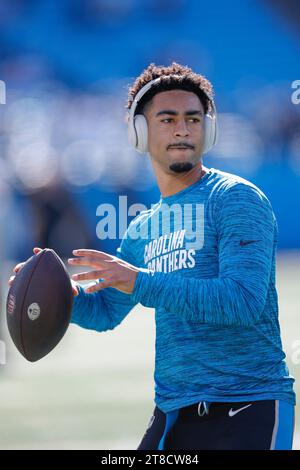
(221, 381)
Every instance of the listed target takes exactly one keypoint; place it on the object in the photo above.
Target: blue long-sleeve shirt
(210, 275)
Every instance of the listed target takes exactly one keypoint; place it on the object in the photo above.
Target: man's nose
(181, 129)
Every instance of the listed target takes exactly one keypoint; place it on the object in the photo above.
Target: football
(39, 305)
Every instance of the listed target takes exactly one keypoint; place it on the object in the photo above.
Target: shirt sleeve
(104, 310)
(246, 229)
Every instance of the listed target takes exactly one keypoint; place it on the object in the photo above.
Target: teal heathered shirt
(210, 275)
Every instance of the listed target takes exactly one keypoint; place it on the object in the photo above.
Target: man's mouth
(180, 147)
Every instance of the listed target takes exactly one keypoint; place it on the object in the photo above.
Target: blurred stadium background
(64, 151)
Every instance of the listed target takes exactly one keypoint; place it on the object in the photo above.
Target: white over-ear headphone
(138, 128)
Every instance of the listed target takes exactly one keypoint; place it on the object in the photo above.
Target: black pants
(259, 425)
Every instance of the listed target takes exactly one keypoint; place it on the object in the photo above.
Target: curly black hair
(174, 76)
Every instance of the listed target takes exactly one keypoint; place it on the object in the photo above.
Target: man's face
(176, 130)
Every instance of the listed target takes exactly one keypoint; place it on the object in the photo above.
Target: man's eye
(167, 120)
(194, 120)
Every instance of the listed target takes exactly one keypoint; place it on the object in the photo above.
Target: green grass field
(95, 390)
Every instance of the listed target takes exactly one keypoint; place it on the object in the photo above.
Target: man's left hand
(114, 271)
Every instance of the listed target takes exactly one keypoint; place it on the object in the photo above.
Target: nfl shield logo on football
(33, 311)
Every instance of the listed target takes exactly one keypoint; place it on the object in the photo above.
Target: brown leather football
(39, 305)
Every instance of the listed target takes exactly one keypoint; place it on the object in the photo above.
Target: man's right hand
(19, 266)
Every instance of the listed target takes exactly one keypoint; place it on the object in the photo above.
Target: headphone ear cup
(132, 137)
(210, 132)
(141, 131)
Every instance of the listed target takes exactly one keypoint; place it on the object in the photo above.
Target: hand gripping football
(39, 305)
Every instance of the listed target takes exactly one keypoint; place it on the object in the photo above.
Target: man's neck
(170, 184)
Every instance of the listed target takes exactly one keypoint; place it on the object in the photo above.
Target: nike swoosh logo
(234, 412)
(247, 242)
